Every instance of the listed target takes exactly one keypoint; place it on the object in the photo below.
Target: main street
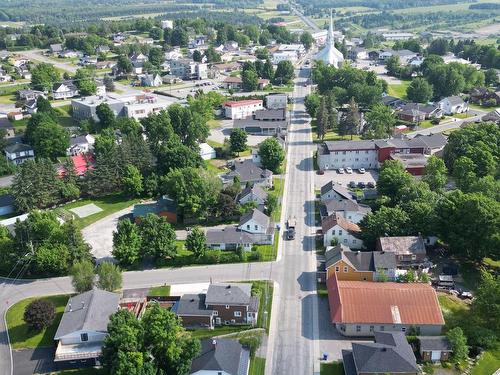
(294, 331)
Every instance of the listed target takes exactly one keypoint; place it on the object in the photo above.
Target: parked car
(361, 185)
(348, 170)
(370, 185)
(341, 170)
(352, 184)
(361, 170)
(321, 172)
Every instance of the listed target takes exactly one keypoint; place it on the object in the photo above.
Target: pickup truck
(290, 226)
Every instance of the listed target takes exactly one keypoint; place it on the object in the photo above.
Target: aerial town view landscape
(250, 187)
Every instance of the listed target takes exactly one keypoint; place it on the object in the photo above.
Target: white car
(340, 170)
(348, 170)
(361, 170)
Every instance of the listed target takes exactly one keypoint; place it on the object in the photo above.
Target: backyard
(398, 90)
(333, 368)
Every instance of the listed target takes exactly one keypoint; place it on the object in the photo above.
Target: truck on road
(290, 226)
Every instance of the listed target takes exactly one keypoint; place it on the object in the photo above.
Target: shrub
(251, 342)
(212, 257)
(435, 121)
(254, 256)
(39, 314)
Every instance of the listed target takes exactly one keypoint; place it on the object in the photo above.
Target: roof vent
(384, 349)
(228, 287)
(83, 304)
(70, 308)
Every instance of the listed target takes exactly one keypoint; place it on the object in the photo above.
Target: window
(372, 328)
(358, 328)
(340, 232)
(256, 227)
(353, 241)
(84, 337)
(345, 240)
(357, 152)
(403, 329)
(337, 269)
(382, 328)
(248, 227)
(237, 314)
(216, 313)
(413, 257)
(343, 152)
(227, 307)
(346, 269)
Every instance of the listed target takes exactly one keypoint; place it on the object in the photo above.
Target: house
(170, 79)
(264, 122)
(248, 172)
(56, 48)
(18, 153)
(359, 265)
(276, 101)
(256, 222)
(390, 354)
(413, 163)
(493, 116)
(452, 105)
(349, 209)
(188, 69)
(430, 144)
(334, 191)
(207, 152)
(64, 90)
(164, 207)
(102, 49)
(30, 106)
(280, 56)
(88, 60)
(236, 83)
(410, 250)
(392, 101)
(342, 230)
(192, 310)
(81, 144)
(416, 112)
(232, 303)
(167, 24)
(151, 80)
(84, 326)
(357, 53)
(29, 94)
(242, 108)
(69, 54)
(6, 204)
(231, 46)
(6, 125)
(221, 357)
(434, 348)
(359, 308)
(252, 194)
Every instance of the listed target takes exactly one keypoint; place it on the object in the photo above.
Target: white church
(329, 54)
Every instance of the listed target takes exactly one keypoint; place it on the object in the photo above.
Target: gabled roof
(336, 219)
(229, 235)
(255, 190)
(432, 141)
(337, 188)
(229, 294)
(366, 302)
(403, 245)
(434, 343)
(257, 216)
(192, 305)
(361, 261)
(248, 171)
(454, 100)
(221, 355)
(17, 147)
(346, 205)
(89, 311)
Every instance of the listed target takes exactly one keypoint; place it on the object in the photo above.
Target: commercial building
(242, 108)
(188, 69)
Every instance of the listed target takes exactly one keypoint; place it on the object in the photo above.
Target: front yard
(333, 368)
(21, 337)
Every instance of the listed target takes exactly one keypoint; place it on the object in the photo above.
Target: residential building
(64, 90)
(390, 354)
(84, 326)
(434, 348)
(192, 310)
(252, 194)
(56, 48)
(329, 54)
(221, 357)
(410, 250)
(207, 152)
(413, 163)
(430, 144)
(359, 265)
(151, 80)
(416, 112)
(242, 108)
(277, 101)
(359, 308)
(29, 94)
(392, 101)
(396, 35)
(264, 122)
(167, 24)
(81, 144)
(248, 172)
(236, 83)
(69, 54)
(164, 207)
(30, 106)
(493, 116)
(232, 303)
(349, 209)
(357, 53)
(334, 191)
(18, 153)
(280, 56)
(188, 69)
(345, 232)
(453, 104)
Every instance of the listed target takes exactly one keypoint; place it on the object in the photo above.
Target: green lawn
(491, 263)
(265, 288)
(398, 90)
(333, 368)
(21, 337)
(109, 204)
(159, 291)
(268, 252)
(214, 123)
(257, 366)
(455, 311)
(330, 135)
(204, 333)
(279, 185)
(321, 289)
(488, 364)
(7, 99)
(81, 371)
(211, 167)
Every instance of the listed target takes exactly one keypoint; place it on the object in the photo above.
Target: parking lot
(370, 175)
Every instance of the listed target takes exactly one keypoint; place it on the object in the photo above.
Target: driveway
(99, 235)
(344, 179)
(224, 131)
(33, 361)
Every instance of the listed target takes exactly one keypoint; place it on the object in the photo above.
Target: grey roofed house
(17, 147)
(229, 294)
(258, 216)
(337, 188)
(88, 311)
(368, 261)
(332, 205)
(432, 141)
(270, 114)
(455, 100)
(222, 356)
(192, 304)
(403, 245)
(68, 83)
(428, 343)
(492, 116)
(390, 353)
(429, 109)
(254, 191)
(54, 48)
(248, 171)
(392, 101)
(228, 235)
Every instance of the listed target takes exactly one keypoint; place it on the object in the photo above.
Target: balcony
(71, 352)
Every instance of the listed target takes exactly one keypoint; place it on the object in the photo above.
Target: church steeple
(331, 38)
(329, 54)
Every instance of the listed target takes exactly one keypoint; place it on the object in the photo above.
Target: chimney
(83, 304)
(70, 308)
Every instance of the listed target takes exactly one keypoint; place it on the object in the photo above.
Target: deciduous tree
(271, 154)
(109, 277)
(196, 242)
(82, 276)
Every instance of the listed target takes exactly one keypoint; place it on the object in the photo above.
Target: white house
(279, 56)
(349, 209)
(207, 152)
(167, 24)
(276, 101)
(151, 80)
(84, 325)
(255, 222)
(344, 231)
(334, 191)
(241, 109)
(80, 145)
(18, 153)
(453, 104)
(64, 90)
(252, 194)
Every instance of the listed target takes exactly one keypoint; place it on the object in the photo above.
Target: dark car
(361, 185)
(370, 185)
(352, 184)
(321, 172)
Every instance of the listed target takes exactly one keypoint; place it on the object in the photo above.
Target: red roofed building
(82, 163)
(358, 308)
(242, 108)
(343, 230)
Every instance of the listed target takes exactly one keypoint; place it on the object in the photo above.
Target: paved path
(453, 124)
